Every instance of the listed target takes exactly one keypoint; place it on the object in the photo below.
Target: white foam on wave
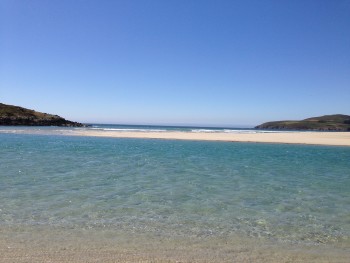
(128, 130)
(205, 130)
(10, 131)
(234, 131)
(222, 131)
(239, 131)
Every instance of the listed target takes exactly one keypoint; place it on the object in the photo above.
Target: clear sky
(218, 62)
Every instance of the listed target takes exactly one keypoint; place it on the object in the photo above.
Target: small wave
(234, 131)
(128, 130)
(222, 131)
(239, 131)
(11, 131)
(205, 130)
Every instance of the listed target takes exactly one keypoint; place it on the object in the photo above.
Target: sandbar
(314, 138)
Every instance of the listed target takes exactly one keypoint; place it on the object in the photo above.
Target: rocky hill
(336, 122)
(14, 115)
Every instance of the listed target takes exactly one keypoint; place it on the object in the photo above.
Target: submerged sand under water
(41, 223)
(39, 244)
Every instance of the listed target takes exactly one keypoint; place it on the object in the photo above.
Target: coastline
(312, 138)
(247, 136)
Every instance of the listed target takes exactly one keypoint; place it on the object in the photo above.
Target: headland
(335, 122)
(17, 116)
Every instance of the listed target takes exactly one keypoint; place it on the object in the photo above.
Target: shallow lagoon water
(286, 194)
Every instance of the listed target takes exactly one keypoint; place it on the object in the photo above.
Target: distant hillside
(14, 115)
(337, 122)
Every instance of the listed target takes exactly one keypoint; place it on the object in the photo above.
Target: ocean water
(290, 194)
(53, 130)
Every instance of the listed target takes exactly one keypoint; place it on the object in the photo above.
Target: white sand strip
(318, 138)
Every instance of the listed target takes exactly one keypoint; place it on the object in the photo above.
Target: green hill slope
(336, 122)
(14, 115)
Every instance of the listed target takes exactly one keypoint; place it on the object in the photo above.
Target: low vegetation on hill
(336, 122)
(14, 115)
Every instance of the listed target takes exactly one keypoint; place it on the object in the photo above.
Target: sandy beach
(314, 138)
(174, 131)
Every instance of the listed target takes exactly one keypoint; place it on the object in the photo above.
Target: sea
(281, 194)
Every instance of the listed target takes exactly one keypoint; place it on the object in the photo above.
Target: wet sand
(315, 138)
(54, 245)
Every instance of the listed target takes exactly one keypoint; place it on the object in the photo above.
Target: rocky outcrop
(15, 116)
(336, 122)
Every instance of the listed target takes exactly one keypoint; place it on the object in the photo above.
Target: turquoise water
(286, 193)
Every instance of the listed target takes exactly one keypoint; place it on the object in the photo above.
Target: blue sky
(230, 63)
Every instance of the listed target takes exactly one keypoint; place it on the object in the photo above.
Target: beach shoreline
(63, 245)
(311, 138)
(246, 136)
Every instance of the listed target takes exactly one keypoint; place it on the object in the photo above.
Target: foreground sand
(318, 138)
(109, 254)
(54, 245)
